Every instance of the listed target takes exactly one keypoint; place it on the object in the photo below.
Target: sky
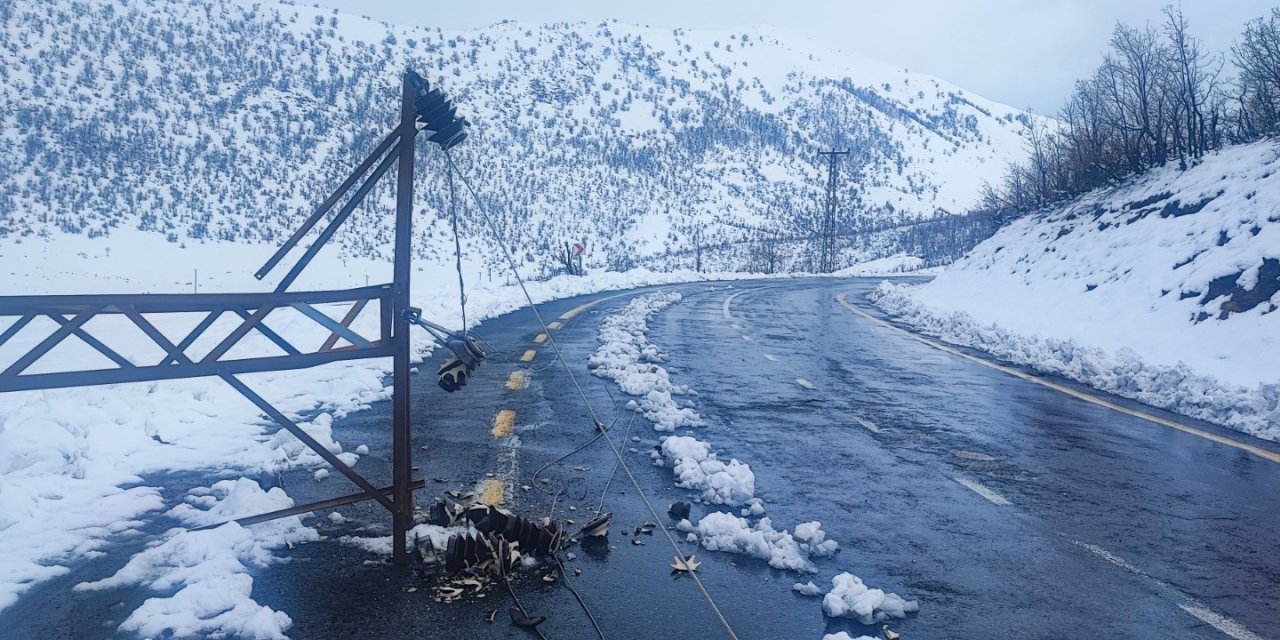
(1025, 53)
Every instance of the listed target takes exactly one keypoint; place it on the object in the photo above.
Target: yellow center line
(517, 381)
(1075, 393)
(504, 424)
(568, 315)
(528, 356)
(540, 338)
(552, 326)
(491, 492)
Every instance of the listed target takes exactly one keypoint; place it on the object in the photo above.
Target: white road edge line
(1192, 606)
(982, 490)
(1080, 395)
(728, 315)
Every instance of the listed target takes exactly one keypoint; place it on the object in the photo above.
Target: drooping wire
(457, 248)
(564, 577)
(493, 227)
(507, 581)
(605, 491)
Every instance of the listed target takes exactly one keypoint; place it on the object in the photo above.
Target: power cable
(590, 409)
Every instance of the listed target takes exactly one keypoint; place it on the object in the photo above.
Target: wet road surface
(1009, 510)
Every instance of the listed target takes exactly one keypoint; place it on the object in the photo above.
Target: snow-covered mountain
(229, 121)
(1165, 288)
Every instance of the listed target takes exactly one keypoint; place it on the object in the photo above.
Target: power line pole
(827, 250)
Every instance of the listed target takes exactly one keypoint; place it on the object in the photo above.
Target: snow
(626, 357)
(807, 589)
(844, 635)
(203, 578)
(1113, 290)
(696, 467)
(438, 535)
(718, 531)
(850, 598)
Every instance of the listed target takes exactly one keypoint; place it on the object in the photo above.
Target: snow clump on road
(719, 531)
(628, 358)
(696, 467)
(851, 598)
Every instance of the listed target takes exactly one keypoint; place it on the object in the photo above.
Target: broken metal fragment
(598, 527)
(522, 620)
(678, 510)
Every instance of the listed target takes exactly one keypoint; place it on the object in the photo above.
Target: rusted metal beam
(401, 446)
(346, 322)
(327, 205)
(49, 343)
(331, 503)
(179, 302)
(271, 335)
(238, 334)
(16, 327)
(311, 442)
(95, 343)
(65, 379)
(196, 332)
(339, 218)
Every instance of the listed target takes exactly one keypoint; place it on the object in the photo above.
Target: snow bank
(844, 635)
(901, 264)
(1176, 388)
(628, 358)
(1164, 289)
(203, 577)
(719, 531)
(850, 598)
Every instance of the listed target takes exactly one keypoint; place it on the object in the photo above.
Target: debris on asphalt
(689, 564)
(678, 510)
(524, 621)
(598, 527)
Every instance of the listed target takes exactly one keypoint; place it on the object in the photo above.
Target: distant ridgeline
(229, 121)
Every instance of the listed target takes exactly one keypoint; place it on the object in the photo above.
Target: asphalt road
(1007, 508)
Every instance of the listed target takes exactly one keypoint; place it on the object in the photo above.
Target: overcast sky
(1025, 53)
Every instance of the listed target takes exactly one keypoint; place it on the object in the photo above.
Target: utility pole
(827, 250)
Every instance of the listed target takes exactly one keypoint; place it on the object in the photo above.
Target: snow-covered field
(1163, 289)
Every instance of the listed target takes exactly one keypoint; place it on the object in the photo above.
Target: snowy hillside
(228, 121)
(1165, 289)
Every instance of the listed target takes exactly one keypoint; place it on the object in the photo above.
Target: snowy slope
(228, 120)
(1166, 288)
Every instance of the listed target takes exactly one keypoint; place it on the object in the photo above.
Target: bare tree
(1258, 58)
(1194, 81)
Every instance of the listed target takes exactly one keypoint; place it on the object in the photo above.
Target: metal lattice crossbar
(421, 109)
(72, 313)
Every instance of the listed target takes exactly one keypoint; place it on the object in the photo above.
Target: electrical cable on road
(507, 581)
(564, 576)
(599, 425)
(605, 491)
